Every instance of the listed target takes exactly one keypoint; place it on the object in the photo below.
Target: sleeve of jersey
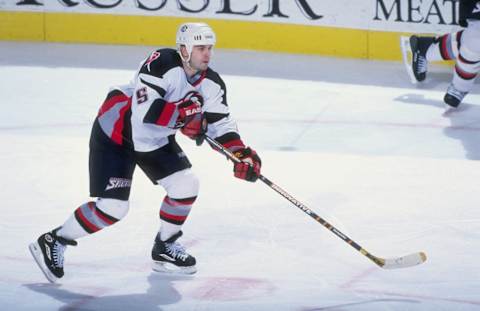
(221, 126)
(158, 111)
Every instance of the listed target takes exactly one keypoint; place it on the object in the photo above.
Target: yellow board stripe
(22, 26)
(160, 31)
(384, 45)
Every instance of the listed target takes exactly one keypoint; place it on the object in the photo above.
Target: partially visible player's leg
(169, 167)
(419, 62)
(462, 46)
(419, 51)
(111, 170)
(467, 65)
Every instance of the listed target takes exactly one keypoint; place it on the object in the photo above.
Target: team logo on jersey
(115, 182)
(152, 57)
(184, 28)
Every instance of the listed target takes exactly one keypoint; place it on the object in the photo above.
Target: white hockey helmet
(191, 34)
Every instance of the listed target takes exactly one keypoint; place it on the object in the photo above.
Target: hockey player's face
(200, 57)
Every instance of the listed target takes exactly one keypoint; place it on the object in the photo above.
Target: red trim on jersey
(109, 103)
(464, 75)
(202, 76)
(85, 221)
(166, 115)
(174, 202)
(120, 123)
(176, 218)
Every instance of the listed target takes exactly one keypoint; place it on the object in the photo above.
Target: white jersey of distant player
(162, 76)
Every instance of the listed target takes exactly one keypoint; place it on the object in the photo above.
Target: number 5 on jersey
(142, 95)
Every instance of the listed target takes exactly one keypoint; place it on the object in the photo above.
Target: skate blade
(449, 109)
(165, 267)
(38, 256)
(407, 57)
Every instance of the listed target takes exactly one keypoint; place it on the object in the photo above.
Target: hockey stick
(386, 263)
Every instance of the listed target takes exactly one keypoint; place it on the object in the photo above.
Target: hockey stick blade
(390, 263)
(403, 262)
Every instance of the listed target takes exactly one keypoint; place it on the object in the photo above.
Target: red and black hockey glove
(191, 116)
(196, 128)
(249, 168)
(189, 106)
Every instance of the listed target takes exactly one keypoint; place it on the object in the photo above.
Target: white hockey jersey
(161, 82)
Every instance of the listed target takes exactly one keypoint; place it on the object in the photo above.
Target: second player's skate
(414, 50)
(453, 97)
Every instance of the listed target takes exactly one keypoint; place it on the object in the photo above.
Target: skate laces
(57, 254)
(452, 91)
(176, 250)
(422, 64)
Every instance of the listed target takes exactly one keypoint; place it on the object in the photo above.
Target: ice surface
(353, 140)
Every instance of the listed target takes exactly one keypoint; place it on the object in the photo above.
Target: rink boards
(363, 29)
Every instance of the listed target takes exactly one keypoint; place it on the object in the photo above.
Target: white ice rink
(353, 140)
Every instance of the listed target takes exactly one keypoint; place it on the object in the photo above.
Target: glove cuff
(234, 145)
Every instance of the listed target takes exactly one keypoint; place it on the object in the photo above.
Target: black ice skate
(170, 256)
(419, 46)
(414, 50)
(48, 253)
(453, 97)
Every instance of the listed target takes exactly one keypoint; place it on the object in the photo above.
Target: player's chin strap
(187, 63)
(388, 263)
(187, 60)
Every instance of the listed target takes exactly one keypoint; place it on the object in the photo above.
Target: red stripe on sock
(466, 61)
(97, 213)
(85, 221)
(463, 74)
(175, 218)
(174, 202)
(459, 39)
(443, 48)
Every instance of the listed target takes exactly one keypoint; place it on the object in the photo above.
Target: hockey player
(462, 46)
(136, 125)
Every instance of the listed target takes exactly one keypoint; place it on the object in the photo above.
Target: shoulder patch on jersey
(161, 61)
(153, 56)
